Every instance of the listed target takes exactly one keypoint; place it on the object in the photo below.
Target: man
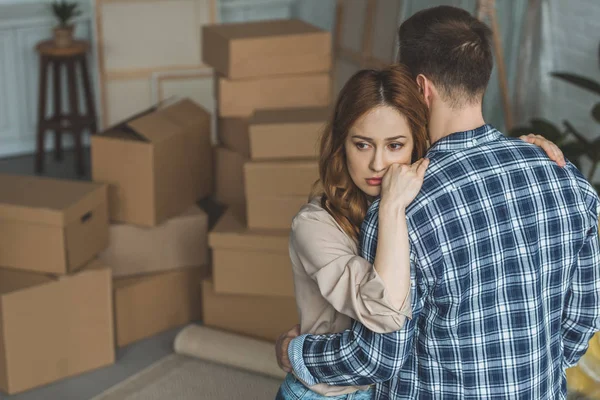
(505, 256)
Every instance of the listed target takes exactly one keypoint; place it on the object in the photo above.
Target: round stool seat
(48, 48)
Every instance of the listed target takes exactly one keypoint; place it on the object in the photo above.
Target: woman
(378, 129)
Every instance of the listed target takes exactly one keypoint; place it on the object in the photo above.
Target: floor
(130, 359)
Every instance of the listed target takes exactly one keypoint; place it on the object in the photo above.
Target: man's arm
(581, 316)
(356, 356)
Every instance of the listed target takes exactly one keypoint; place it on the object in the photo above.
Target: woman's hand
(401, 183)
(550, 148)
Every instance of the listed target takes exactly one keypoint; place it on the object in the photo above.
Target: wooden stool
(74, 122)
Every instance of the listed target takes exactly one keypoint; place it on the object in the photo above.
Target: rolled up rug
(228, 349)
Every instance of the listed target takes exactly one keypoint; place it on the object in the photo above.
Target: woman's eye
(396, 146)
(361, 145)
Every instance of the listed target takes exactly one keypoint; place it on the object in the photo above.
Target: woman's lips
(374, 182)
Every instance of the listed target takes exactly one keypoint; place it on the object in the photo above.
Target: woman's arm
(399, 187)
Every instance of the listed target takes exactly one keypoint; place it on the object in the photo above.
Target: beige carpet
(185, 378)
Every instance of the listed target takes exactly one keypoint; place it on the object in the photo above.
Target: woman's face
(377, 139)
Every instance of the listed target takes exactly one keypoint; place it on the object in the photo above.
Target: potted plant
(573, 144)
(64, 11)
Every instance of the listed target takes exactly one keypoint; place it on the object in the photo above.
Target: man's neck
(445, 121)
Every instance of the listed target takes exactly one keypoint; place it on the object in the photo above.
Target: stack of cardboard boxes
(56, 315)
(71, 282)
(157, 165)
(273, 94)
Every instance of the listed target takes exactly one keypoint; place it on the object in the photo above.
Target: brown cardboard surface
(241, 98)
(230, 233)
(234, 134)
(262, 317)
(276, 212)
(148, 304)
(51, 225)
(157, 163)
(179, 242)
(229, 180)
(250, 262)
(252, 273)
(280, 178)
(53, 328)
(275, 134)
(266, 48)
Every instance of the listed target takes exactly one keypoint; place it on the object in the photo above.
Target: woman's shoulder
(313, 216)
(312, 211)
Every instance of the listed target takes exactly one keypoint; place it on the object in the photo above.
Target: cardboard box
(51, 225)
(280, 178)
(261, 317)
(265, 48)
(229, 180)
(53, 328)
(157, 163)
(275, 212)
(181, 241)
(275, 134)
(241, 98)
(250, 262)
(149, 304)
(275, 191)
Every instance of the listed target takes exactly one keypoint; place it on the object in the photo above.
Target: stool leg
(74, 115)
(89, 96)
(58, 153)
(41, 129)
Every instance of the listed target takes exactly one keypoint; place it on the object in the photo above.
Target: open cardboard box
(51, 226)
(157, 163)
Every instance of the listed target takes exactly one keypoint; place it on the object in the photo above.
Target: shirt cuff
(297, 360)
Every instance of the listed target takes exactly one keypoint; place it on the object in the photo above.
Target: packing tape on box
(228, 349)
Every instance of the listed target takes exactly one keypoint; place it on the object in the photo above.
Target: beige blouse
(334, 285)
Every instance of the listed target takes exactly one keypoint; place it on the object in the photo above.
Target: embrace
(438, 258)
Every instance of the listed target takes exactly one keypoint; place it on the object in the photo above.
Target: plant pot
(63, 36)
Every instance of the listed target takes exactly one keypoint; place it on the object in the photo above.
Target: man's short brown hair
(450, 47)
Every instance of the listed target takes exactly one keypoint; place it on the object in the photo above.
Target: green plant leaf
(596, 112)
(578, 80)
(547, 129)
(594, 150)
(573, 150)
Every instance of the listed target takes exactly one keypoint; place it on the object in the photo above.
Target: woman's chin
(372, 191)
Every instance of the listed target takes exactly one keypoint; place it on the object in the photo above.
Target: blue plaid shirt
(505, 270)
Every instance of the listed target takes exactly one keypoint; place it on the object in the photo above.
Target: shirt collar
(464, 140)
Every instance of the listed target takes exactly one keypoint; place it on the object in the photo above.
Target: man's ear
(426, 88)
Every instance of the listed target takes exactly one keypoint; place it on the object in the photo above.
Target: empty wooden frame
(144, 43)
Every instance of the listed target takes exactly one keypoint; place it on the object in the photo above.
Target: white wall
(22, 25)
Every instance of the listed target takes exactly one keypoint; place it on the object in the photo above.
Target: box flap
(260, 29)
(185, 112)
(13, 280)
(290, 116)
(230, 233)
(47, 201)
(155, 127)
